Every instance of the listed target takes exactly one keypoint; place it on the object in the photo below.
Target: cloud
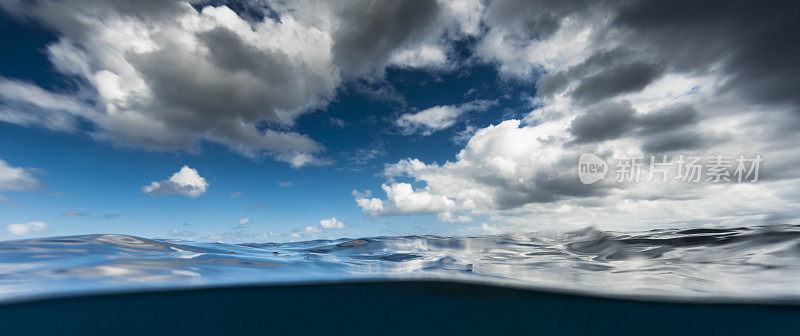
(618, 78)
(605, 121)
(449, 217)
(17, 178)
(325, 224)
(167, 76)
(285, 184)
(440, 117)
(21, 229)
(236, 194)
(244, 221)
(371, 32)
(185, 182)
(331, 223)
(298, 160)
(364, 155)
(181, 233)
(241, 234)
(73, 213)
(28, 105)
(163, 84)
(256, 206)
(403, 199)
(338, 123)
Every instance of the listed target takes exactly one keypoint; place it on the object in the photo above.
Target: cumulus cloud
(312, 229)
(403, 199)
(325, 224)
(245, 221)
(165, 84)
(21, 229)
(439, 117)
(612, 77)
(620, 79)
(17, 178)
(168, 75)
(331, 223)
(185, 182)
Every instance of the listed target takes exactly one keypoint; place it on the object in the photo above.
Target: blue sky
(100, 184)
(428, 117)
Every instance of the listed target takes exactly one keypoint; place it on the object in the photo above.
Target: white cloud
(233, 76)
(423, 56)
(245, 221)
(236, 194)
(17, 178)
(298, 160)
(325, 224)
(169, 76)
(29, 105)
(438, 118)
(331, 223)
(403, 199)
(20, 229)
(185, 182)
(609, 90)
(449, 217)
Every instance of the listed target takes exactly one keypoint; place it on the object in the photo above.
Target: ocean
(710, 281)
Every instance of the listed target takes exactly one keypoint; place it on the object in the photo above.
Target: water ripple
(746, 263)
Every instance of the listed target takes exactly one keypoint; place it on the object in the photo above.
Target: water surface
(745, 265)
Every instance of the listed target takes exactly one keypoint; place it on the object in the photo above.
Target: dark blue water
(676, 281)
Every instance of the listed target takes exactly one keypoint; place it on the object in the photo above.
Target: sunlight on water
(736, 264)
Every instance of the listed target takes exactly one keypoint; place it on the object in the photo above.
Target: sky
(256, 121)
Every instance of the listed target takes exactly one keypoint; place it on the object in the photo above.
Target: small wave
(745, 263)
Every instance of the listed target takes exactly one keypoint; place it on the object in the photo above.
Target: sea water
(742, 280)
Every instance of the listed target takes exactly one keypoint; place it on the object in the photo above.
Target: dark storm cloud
(606, 73)
(664, 130)
(667, 119)
(672, 141)
(528, 20)
(757, 43)
(552, 83)
(605, 121)
(613, 81)
(371, 31)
